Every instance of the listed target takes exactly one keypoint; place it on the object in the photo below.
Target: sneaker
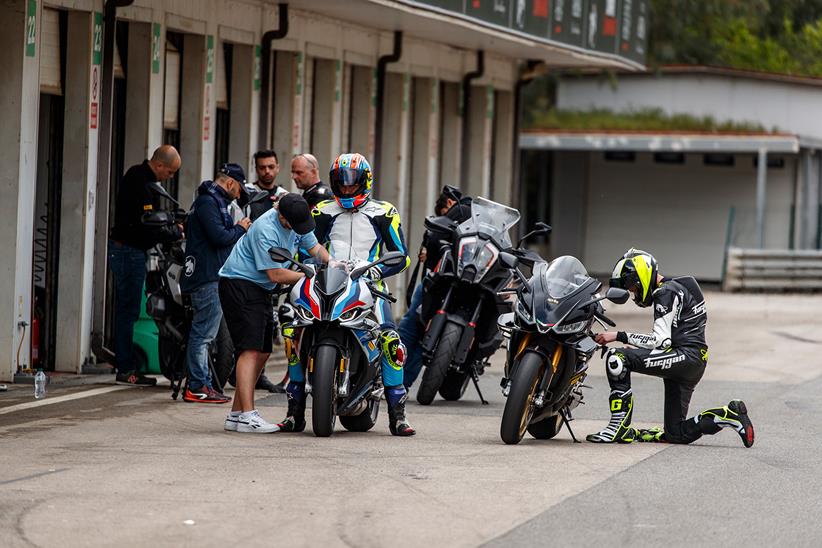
(252, 423)
(231, 422)
(206, 394)
(745, 428)
(134, 378)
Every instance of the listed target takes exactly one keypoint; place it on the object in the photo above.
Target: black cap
(235, 171)
(296, 211)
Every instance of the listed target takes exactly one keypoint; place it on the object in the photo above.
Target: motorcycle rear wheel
(546, 428)
(454, 385)
(519, 408)
(365, 421)
(324, 391)
(436, 371)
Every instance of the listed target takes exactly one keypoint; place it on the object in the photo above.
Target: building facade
(426, 89)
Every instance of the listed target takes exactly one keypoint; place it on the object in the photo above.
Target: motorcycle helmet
(351, 180)
(636, 271)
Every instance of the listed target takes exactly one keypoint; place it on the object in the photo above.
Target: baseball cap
(296, 211)
(235, 171)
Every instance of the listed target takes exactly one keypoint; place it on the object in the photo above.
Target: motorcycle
(343, 370)
(461, 304)
(170, 309)
(550, 344)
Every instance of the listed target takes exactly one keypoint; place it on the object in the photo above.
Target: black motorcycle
(336, 333)
(170, 309)
(551, 343)
(462, 303)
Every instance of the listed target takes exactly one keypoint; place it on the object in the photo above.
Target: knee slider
(392, 348)
(615, 364)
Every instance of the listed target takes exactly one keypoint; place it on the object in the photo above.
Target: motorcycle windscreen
(551, 283)
(331, 280)
(492, 219)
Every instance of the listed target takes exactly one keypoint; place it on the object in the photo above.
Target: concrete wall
(789, 107)
(677, 212)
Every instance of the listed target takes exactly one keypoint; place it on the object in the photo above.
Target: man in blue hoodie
(211, 234)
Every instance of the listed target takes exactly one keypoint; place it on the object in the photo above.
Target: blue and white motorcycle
(336, 330)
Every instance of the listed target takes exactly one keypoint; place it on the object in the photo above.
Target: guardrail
(772, 270)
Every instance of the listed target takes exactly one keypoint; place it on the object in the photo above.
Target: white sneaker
(231, 422)
(252, 422)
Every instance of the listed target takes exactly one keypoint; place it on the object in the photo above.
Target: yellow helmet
(636, 270)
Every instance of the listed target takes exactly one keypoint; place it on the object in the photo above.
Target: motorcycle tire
(519, 407)
(437, 370)
(172, 358)
(365, 421)
(454, 385)
(546, 428)
(222, 356)
(324, 391)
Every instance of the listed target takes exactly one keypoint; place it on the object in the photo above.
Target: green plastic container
(145, 339)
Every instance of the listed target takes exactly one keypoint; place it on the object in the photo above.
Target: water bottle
(40, 384)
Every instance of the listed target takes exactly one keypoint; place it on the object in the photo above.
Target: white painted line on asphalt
(60, 399)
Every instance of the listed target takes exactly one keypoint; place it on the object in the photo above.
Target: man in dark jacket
(128, 242)
(211, 237)
(305, 170)
(452, 204)
(267, 167)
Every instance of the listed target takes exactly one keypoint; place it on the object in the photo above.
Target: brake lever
(381, 294)
(604, 319)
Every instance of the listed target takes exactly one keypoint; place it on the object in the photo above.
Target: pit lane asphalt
(133, 467)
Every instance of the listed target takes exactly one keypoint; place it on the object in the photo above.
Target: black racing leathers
(676, 351)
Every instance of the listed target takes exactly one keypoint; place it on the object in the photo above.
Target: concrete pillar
(144, 92)
(808, 210)
(477, 164)
(451, 136)
(77, 211)
(424, 182)
(286, 111)
(502, 182)
(392, 186)
(363, 110)
(761, 195)
(326, 112)
(197, 111)
(245, 105)
(307, 104)
(19, 105)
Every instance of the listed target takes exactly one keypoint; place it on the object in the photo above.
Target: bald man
(305, 170)
(128, 242)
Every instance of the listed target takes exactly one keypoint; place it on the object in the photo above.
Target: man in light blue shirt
(247, 279)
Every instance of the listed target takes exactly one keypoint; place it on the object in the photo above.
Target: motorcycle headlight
(350, 315)
(569, 328)
(472, 252)
(304, 314)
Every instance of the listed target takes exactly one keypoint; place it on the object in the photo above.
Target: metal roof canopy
(455, 31)
(662, 142)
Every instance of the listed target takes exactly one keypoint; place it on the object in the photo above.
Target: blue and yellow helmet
(636, 271)
(351, 180)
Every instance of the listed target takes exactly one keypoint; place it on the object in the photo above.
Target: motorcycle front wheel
(324, 391)
(436, 371)
(519, 408)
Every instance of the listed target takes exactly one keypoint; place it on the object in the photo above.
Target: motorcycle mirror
(508, 260)
(281, 255)
(158, 188)
(540, 229)
(157, 219)
(440, 223)
(392, 258)
(617, 296)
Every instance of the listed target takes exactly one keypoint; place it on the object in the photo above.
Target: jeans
(128, 264)
(411, 334)
(205, 301)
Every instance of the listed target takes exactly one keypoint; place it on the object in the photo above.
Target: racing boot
(619, 428)
(397, 423)
(295, 419)
(734, 415)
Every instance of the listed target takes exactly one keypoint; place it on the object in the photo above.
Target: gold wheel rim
(528, 411)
